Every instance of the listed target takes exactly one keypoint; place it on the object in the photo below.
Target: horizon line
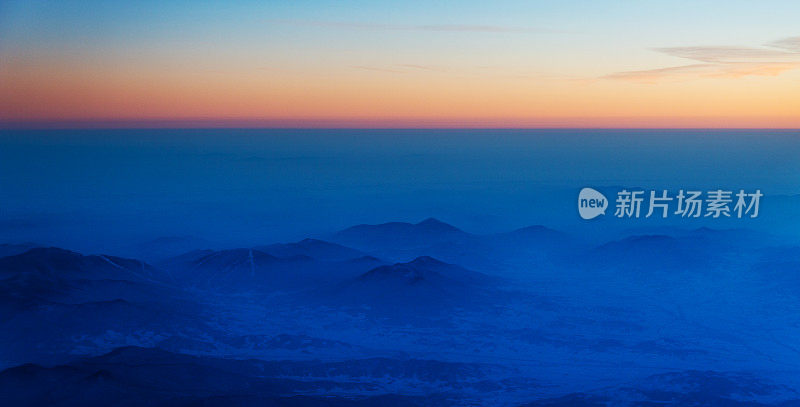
(615, 123)
(33, 128)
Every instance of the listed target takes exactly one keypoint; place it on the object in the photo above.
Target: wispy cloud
(655, 75)
(430, 68)
(722, 62)
(695, 71)
(376, 69)
(401, 68)
(350, 25)
(723, 54)
(739, 69)
(790, 44)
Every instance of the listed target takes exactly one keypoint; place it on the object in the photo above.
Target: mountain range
(407, 314)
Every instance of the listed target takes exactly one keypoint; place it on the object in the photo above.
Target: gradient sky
(407, 64)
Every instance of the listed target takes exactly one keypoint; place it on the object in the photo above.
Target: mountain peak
(649, 238)
(417, 270)
(50, 252)
(436, 223)
(406, 272)
(61, 264)
(397, 236)
(310, 240)
(313, 248)
(535, 229)
(426, 261)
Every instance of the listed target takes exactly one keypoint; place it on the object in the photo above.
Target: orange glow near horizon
(192, 70)
(358, 99)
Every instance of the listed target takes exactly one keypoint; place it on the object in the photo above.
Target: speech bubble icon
(591, 203)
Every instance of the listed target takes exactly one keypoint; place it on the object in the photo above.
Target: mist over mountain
(154, 377)
(232, 188)
(398, 235)
(703, 388)
(56, 263)
(251, 269)
(314, 248)
(423, 285)
(161, 248)
(409, 314)
(14, 249)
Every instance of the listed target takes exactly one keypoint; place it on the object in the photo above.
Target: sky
(659, 64)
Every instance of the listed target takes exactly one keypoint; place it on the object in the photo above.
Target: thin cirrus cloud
(722, 55)
(349, 25)
(790, 44)
(722, 62)
(401, 68)
(695, 71)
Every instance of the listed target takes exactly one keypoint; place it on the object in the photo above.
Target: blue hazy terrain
(393, 267)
